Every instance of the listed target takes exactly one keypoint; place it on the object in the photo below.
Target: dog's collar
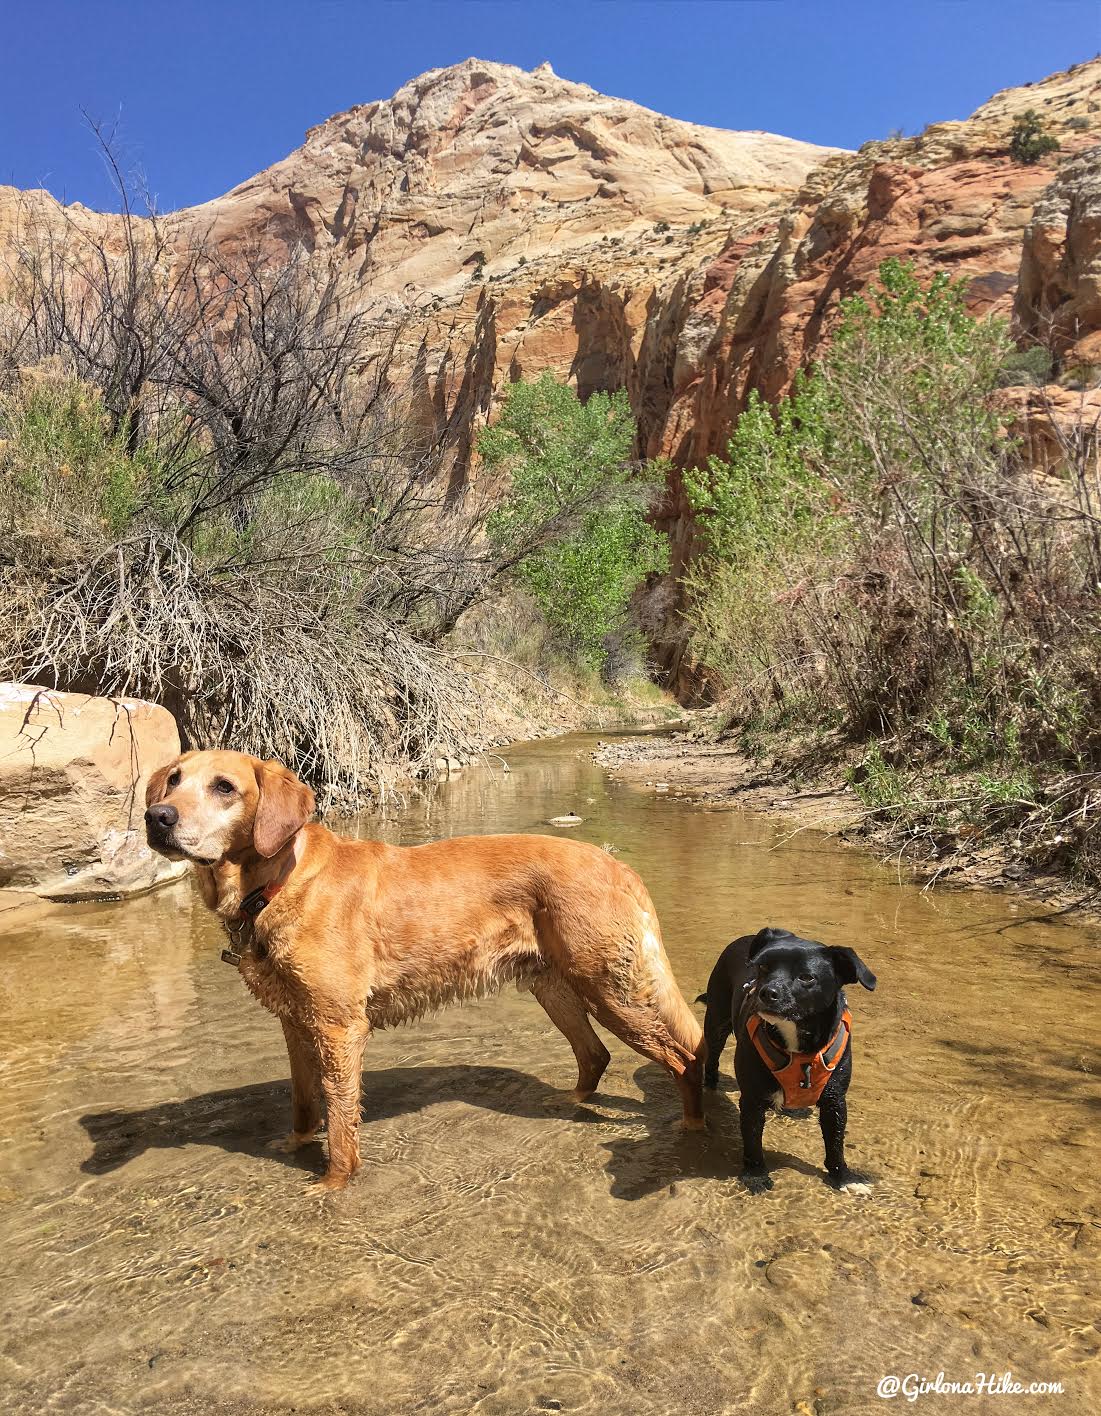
(259, 899)
(802, 1076)
(240, 926)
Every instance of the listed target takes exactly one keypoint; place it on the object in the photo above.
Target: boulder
(73, 770)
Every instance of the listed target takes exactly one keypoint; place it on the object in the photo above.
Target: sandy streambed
(501, 1253)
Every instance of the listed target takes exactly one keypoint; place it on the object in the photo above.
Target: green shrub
(1028, 142)
(566, 466)
(1030, 367)
(878, 554)
(65, 469)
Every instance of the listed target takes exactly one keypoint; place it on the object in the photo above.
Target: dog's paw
(693, 1123)
(848, 1182)
(567, 1100)
(329, 1184)
(711, 1081)
(756, 1181)
(287, 1145)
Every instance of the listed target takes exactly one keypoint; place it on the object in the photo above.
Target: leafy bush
(566, 464)
(1031, 367)
(877, 552)
(1028, 142)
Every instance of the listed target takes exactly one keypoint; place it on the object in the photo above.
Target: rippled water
(500, 1254)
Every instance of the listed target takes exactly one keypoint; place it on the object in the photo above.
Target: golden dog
(338, 937)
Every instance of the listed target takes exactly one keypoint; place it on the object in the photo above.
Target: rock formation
(73, 771)
(510, 222)
(949, 200)
(507, 222)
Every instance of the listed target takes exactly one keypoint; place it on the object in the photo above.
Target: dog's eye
(174, 778)
(806, 978)
(224, 788)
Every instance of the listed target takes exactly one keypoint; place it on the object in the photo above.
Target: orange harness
(802, 1075)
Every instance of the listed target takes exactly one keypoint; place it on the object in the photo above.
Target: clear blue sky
(209, 93)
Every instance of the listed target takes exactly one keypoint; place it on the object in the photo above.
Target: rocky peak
(483, 166)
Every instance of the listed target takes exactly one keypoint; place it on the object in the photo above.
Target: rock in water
(73, 770)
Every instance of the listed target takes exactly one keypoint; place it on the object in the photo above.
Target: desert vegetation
(565, 461)
(1028, 142)
(211, 497)
(886, 573)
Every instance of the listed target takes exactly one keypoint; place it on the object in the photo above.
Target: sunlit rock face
(949, 200)
(511, 222)
(508, 222)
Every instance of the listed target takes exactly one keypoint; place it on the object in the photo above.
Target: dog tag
(229, 957)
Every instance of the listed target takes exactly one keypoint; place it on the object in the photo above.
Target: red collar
(259, 899)
(256, 900)
(239, 927)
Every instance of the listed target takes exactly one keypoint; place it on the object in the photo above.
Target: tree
(210, 497)
(874, 472)
(1028, 142)
(567, 473)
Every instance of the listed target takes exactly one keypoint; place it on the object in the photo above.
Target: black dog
(782, 998)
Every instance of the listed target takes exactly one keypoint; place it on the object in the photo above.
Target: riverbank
(527, 703)
(812, 793)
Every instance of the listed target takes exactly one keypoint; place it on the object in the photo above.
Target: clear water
(500, 1253)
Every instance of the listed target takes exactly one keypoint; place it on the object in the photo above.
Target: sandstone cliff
(514, 222)
(950, 199)
(509, 222)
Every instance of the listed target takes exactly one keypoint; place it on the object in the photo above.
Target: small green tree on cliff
(1028, 142)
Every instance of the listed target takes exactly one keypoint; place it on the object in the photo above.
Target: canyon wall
(506, 222)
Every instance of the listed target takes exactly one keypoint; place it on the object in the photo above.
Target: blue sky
(209, 93)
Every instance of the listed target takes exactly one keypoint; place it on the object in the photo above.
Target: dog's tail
(682, 1023)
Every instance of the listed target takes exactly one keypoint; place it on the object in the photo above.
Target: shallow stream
(503, 1253)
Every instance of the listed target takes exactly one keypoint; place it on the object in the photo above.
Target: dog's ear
(285, 805)
(851, 968)
(158, 784)
(762, 939)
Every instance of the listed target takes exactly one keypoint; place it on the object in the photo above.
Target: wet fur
(364, 935)
(803, 1022)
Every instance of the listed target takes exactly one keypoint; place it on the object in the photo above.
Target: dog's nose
(162, 817)
(769, 995)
